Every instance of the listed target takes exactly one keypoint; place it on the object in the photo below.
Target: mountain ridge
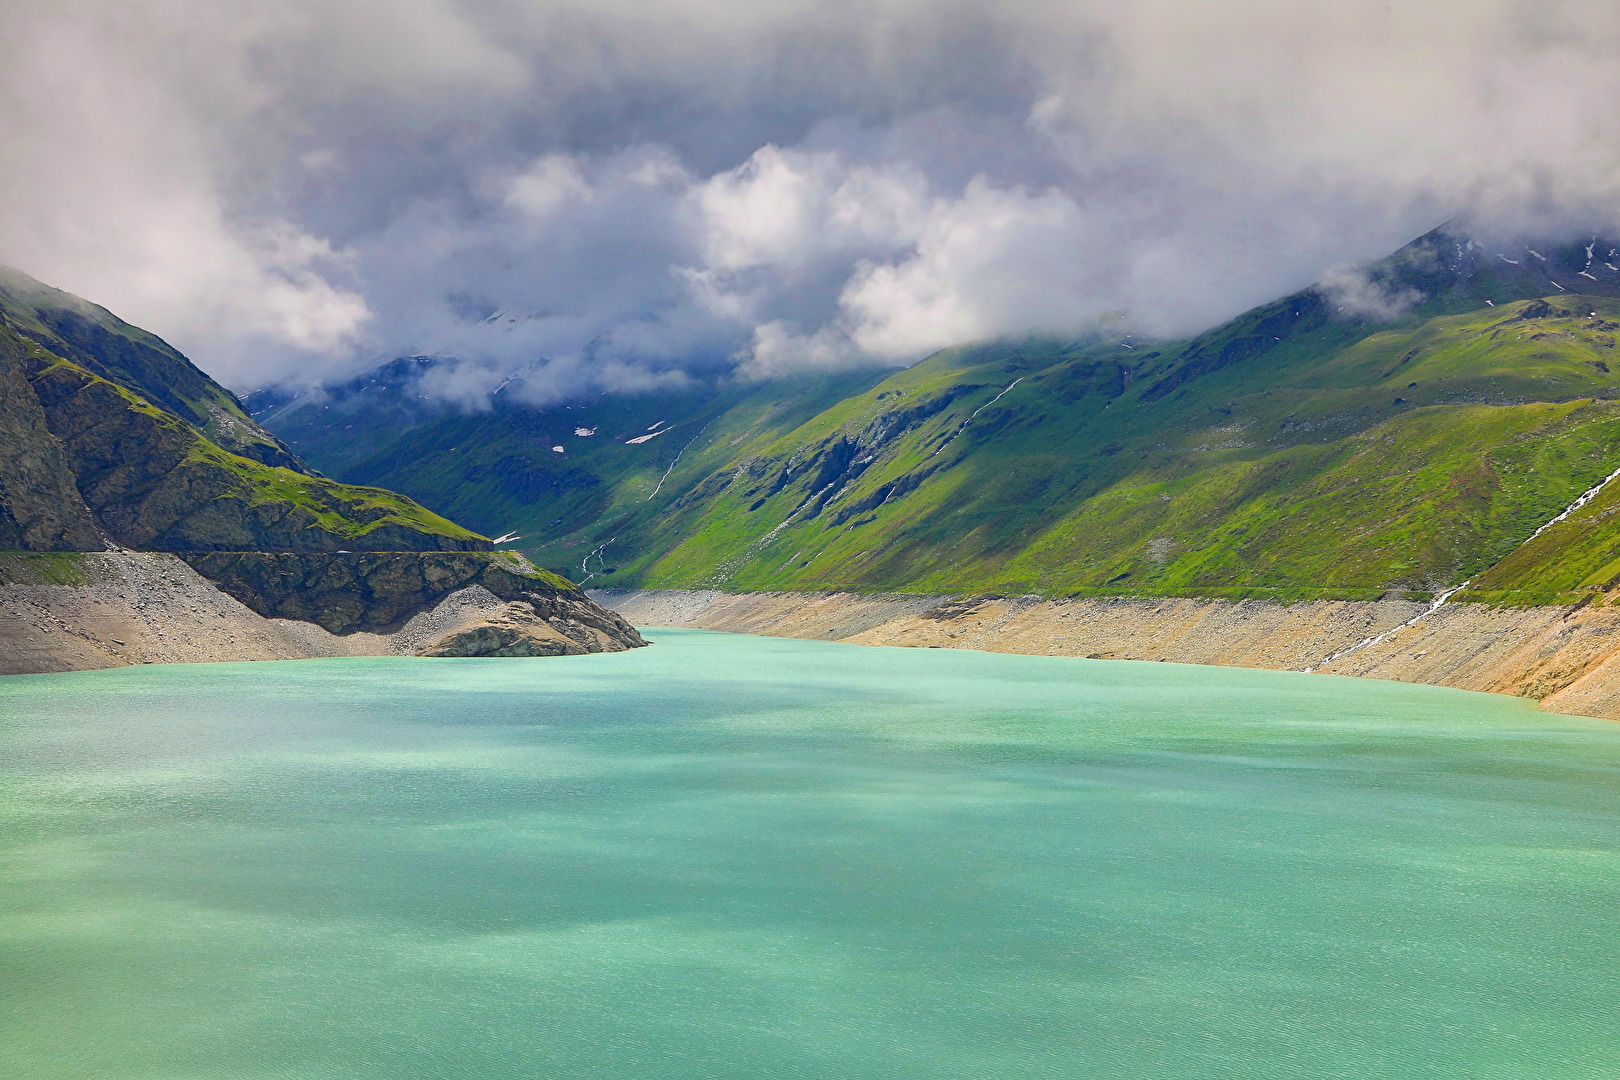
(92, 337)
(1303, 449)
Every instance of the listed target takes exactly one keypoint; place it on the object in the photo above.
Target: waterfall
(963, 426)
(1440, 599)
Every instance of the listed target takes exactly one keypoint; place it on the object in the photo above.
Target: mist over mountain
(617, 195)
(1407, 428)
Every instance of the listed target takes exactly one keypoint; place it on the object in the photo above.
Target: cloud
(1354, 294)
(984, 264)
(570, 197)
(548, 186)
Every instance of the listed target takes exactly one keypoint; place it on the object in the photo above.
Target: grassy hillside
(1300, 450)
(150, 480)
(498, 471)
(99, 341)
(1338, 478)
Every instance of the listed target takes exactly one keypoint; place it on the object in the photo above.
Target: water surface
(737, 858)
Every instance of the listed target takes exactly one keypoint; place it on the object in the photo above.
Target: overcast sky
(627, 190)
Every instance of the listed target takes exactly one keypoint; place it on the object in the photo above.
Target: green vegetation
(1293, 453)
(99, 341)
(154, 481)
(1313, 486)
(344, 510)
(497, 471)
(46, 568)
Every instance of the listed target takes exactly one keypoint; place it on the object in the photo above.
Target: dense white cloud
(614, 194)
(1352, 292)
(984, 265)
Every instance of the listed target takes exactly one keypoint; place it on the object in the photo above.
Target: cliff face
(40, 509)
(98, 341)
(127, 446)
(375, 591)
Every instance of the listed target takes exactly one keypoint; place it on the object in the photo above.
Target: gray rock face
(376, 591)
(498, 639)
(521, 630)
(40, 509)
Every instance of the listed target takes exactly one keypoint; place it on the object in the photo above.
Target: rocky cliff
(376, 591)
(40, 508)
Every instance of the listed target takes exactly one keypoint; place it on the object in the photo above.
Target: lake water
(738, 858)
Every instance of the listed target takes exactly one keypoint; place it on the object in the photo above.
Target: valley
(1301, 455)
(1293, 453)
(1420, 496)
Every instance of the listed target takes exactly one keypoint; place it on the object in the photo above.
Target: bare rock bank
(73, 611)
(1566, 658)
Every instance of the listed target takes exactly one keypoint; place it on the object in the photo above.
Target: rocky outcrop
(70, 611)
(40, 509)
(518, 629)
(1567, 658)
(344, 592)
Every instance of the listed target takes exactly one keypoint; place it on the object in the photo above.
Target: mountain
(1405, 432)
(98, 341)
(550, 475)
(123, 470)
(110, 441)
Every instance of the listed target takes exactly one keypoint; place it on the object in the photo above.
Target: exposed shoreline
(139, 608)
(112, 609)
(1565, 658)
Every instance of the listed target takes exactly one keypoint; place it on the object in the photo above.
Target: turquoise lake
(737, 858)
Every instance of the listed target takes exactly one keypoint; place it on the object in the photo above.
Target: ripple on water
(728, 857)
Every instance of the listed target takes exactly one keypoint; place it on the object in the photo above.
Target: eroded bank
(1566, 658)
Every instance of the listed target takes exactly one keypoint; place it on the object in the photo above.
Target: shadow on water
(731, 857)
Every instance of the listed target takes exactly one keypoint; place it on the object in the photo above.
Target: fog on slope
(614, 194)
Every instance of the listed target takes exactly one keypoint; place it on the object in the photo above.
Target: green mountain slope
(105, 345)
(92, 463)
(498, 471)
(1297, 451)
(122, 469)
